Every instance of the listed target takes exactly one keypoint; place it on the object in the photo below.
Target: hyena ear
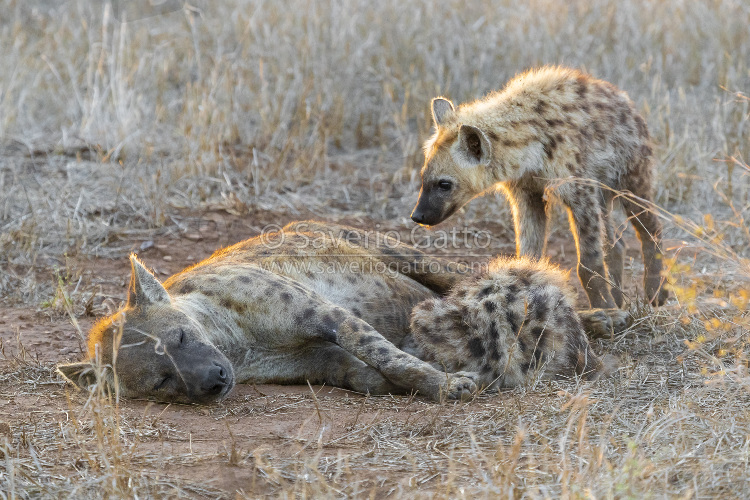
(81, 375)
(144, 287)
(475, 145)
(441, 109)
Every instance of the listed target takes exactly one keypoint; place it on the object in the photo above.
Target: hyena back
(509, 324)
(551, 131)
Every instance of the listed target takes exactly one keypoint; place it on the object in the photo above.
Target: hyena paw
(460, 386)
(601, 323)
(621, 320)
(656, 294)
(596, 323)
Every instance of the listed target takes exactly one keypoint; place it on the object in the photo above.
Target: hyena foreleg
(530, 221)
(339, 326)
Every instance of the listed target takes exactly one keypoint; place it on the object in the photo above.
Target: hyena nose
(417, 217)
(216, 379)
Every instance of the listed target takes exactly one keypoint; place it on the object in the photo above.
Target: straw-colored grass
(111, 132)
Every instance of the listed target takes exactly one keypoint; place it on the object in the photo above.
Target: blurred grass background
(108, 125)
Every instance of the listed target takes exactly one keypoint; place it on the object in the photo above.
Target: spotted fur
(511, 324)
(557, 133)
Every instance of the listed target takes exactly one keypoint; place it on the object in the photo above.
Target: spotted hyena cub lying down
(512, 323)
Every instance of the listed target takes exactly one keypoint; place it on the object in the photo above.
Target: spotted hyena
(513, 322)
(551, 131)
(313, 302)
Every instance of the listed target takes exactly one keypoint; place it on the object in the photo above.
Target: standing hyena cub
(546, 126)
(514, 321)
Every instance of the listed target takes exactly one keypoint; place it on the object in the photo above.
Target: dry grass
(110, 131)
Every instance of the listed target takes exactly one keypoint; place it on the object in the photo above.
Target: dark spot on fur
(357, 312)
(225, 303)
(493, 135)
(286, 297)
(581, 89)
(351, 279)
(525, 367)
(554, 122)
(641, 126)
(367, 339)
(484, 292)
(476, 348)
(540, 106)
(489, 306)
(512, 320)
(486, 369)
(551, 146)
(522, 345)
(623, 116)
(540, 303)
(382, 351)
(243, 279)
(328, 328)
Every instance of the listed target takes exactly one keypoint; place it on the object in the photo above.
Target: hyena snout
(433, 207)
(215, 380)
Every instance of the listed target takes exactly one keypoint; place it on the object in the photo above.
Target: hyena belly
(509, 325)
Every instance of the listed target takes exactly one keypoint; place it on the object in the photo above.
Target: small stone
(168, 258)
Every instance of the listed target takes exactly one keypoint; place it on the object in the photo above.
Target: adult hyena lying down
(514, 321)
(309, 303)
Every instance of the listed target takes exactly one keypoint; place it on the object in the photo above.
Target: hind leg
(615, 252)
(648, 227)
(584, 212)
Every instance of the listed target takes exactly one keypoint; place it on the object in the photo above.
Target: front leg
(337, 325)
(316, 362)
(530, 222)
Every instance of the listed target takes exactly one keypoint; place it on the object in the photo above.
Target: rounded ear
(441, 109)
(144, 287)
(475, 145)
(81, 375)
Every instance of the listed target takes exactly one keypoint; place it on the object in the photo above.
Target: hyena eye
(163, 382)
(445, 185)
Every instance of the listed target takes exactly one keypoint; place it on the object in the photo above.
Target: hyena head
(155, 350)
(455, 161)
